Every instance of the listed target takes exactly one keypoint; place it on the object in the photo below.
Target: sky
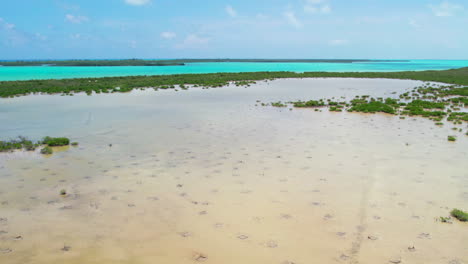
(159, 29)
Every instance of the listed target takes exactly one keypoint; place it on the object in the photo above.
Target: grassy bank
(128, 83)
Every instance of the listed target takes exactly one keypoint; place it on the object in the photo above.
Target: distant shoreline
(174, 62)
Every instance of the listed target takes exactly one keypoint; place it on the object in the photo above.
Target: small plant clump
(278, 104)
(372, 107)
(74, 144)
(63, 192)
(310, 103)
(451, 138)
(47, 150)
(445, 219)
(337, 108)
(56, 142)
(460, 215)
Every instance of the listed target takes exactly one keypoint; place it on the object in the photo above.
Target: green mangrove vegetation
(310, 103)
(433, 101)
(47, 150)
(451, 138)
(128, 83)
(22, 143)
(56, 142)
(459, 214)
(18, 143)
(372, 106)
(278, 104)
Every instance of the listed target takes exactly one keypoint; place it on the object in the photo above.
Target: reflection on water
(207, 176)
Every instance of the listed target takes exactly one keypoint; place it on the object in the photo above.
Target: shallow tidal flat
(206, 176)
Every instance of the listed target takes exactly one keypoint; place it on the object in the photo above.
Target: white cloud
(292, 19)
(413, 23)
(76, 19)
(315, 2)
(137, 2)
(40, 36)
(4, 24)
(11, 37)
(231, 11)
(261, 16)
(168, 35)
(133, 44)
(75, 36)
(445, 9)
(317, 6)
(325, 9)
(9, 26)
(193, 41)
(338, 42)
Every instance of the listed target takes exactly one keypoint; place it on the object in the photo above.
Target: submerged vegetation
(128, 83)
(22, 143)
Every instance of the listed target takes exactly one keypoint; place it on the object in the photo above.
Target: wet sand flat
(210, 176)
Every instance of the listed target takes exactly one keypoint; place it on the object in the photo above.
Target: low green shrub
(47, 150)
(56, 142)
(460, 215)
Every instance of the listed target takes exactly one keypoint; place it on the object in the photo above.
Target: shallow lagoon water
(45, 72)
(206, 176)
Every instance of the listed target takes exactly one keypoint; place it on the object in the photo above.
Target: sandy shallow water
(205, 176)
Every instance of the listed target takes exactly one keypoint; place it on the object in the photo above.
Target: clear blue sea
(52, 72)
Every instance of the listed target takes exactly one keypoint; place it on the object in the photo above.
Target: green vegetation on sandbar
(56, 142)
(47, 150)
(451, 138)
(433, 101)
(372, 107)
(418, 107)
(278, 104)
(128, 83)
(460, 215)
(458, 116)
(22, 143)
(310, 103)
(444, 219)
(18, 143)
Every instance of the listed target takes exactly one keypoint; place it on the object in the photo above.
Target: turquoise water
(46, 72)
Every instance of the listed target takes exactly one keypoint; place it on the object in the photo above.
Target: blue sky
(369, 29)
